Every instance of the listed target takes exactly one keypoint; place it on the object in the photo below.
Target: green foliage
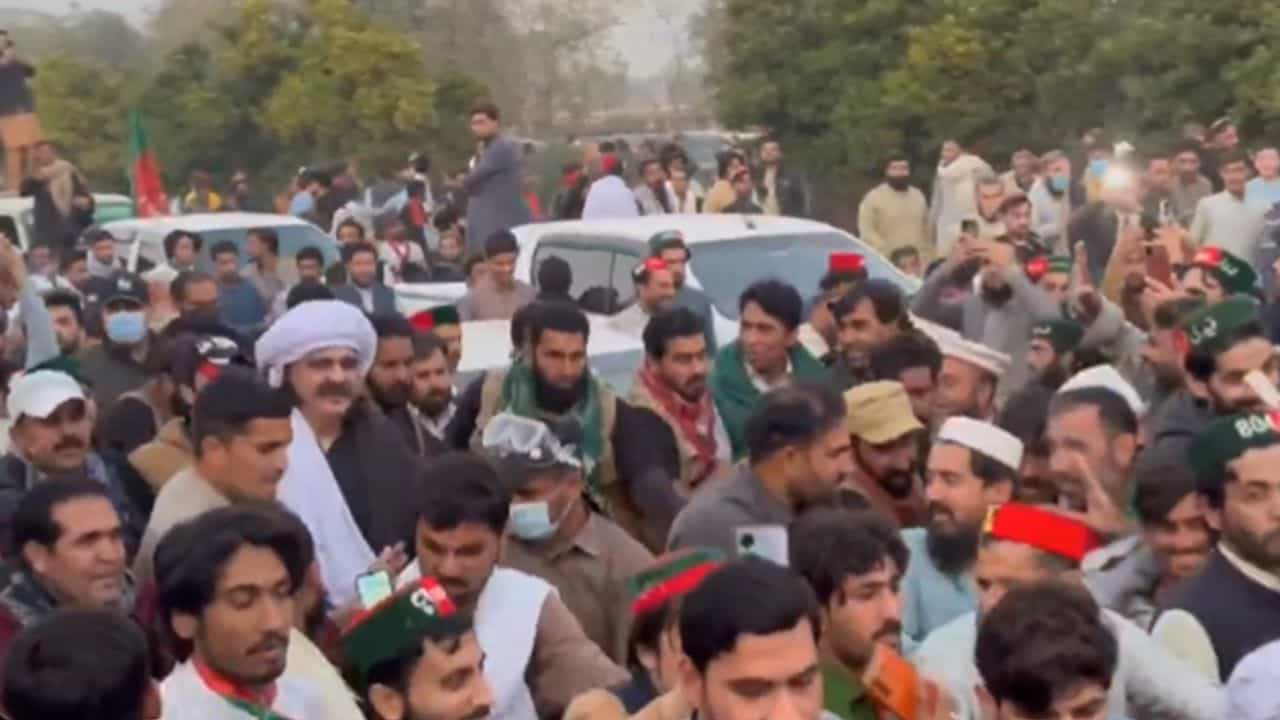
(80, 110)
(262, 85)
(845, 80)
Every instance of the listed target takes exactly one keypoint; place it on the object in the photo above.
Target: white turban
(311, 326)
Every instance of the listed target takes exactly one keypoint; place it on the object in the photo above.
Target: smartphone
(894, 684)
(763, 541)
(969, 227)
(1158, 265)
(373, 587)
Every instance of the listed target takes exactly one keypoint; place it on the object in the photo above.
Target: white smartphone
(763, 541)
(373, 587)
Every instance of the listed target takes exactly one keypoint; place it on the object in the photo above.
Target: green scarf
(519, 397)
(736, 396)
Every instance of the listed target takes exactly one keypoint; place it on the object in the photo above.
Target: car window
(592, 270)
(292, 239)
(623, 264)
(617, 370)
(10, 228)
(725, 268)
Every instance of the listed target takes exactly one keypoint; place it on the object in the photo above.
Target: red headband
(1041, 529)
(845, 262)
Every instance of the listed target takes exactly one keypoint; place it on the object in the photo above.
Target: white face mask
(532, 520)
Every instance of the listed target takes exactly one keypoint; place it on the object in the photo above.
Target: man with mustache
(655, 290)
(226, 582)
(552, 381)
(70, 554)
(1220, 344)
(1021, 546)
(431, 391)
(50, 440)
(347, 463)
(1172, 547)
(767, 355)
(537, 656)
(1230, 608)
(799, 456)
(972, 466)
(417, 657)
(240, 433)
(390, 380)
(869, 315)
(969, 376)
(1000, 314)
(1051, 351)
(1093, 449)
(443, 322)
(672, 384)
(854, 561)
(886, 437)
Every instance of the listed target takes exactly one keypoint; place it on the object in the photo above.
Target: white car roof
(696, 228)
(204, 221)
(486, 344)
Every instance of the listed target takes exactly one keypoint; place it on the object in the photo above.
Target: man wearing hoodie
(1000, 314)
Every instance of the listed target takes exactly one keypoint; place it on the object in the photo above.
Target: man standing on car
(494, 184)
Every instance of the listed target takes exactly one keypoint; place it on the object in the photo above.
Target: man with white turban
(349, 469)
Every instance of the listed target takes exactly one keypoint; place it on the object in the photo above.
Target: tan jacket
(162, 458)
(889, 219)
(720, 196)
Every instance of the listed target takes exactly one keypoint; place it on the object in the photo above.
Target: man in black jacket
(781, 192)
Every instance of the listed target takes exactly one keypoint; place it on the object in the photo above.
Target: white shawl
(310, 490)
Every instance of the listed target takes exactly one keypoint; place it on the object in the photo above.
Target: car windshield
(726, 267)
(292, 239)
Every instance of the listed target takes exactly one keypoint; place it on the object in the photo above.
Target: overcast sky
(644, 40)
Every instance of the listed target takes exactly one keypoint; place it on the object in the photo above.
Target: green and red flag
(144, 173)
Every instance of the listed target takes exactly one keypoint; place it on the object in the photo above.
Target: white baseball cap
(40, 393)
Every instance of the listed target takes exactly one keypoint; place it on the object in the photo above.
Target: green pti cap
(1210, 328)
(666, 240)
(1235, 275)
(1043, 265)
(1227, 439)
(399, 624)
(1064, 335)
(671, 576)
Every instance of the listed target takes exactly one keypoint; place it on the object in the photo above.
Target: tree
(82, 110)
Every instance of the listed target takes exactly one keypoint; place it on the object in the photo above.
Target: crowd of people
(1038, 487)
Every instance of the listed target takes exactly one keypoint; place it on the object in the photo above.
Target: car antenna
(746, 220)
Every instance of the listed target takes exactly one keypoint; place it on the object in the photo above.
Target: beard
(996, 296)
(1054, 376)
(953, 550)
(433, 403)
(556, 399)
(1261, 550)
(391, 397)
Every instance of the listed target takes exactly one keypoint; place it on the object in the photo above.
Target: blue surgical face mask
(126, 328)
(1099, 167)
(1059, 183)
(532, 520)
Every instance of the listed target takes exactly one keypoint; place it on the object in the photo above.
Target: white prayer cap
(953, 345)
(985, 438)
(1107, 377)
(311, 326)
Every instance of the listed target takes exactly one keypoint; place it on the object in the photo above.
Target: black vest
(1238, 614)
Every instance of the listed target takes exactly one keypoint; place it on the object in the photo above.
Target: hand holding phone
(1158, 265)
(763, 541)
(373, 587)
